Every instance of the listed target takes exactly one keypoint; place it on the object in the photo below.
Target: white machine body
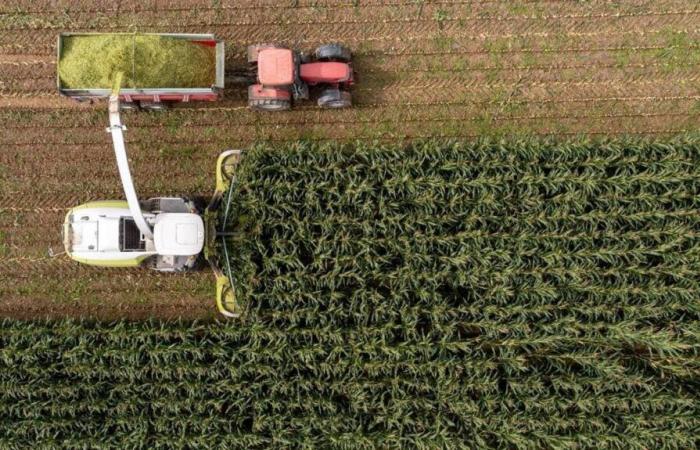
(179, 234)
(105, 234)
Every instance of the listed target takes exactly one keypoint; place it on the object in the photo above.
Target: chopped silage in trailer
(146, 61)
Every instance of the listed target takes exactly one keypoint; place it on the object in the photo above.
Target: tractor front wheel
(335, 99)
(269, 104)
(333, 52)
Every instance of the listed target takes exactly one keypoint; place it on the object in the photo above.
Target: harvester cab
(167, 234)
(282, 75)
(105, 233)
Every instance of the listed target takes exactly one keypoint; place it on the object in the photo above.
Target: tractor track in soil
(427, 69)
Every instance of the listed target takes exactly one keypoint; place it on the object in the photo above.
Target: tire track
(468, 42)
(379, 70)
(186, 5)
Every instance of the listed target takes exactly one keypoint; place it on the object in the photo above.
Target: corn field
(521, 294)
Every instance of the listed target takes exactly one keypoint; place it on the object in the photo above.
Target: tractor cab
(282, 75)
(276, 67)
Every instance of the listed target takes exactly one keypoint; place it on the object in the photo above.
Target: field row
(229, 116)
(441, 13)
(392, 39)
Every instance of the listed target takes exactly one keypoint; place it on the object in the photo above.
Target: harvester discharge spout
(116, 129)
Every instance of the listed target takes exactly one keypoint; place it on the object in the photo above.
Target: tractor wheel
(333, 52)
(253, 51)
(335, 99)
(269, 104)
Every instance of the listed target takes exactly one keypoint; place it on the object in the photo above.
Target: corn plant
(521, 294)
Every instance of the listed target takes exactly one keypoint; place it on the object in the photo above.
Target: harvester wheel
(333, 52)
(253, 51)
(335, 98)
(269, 104)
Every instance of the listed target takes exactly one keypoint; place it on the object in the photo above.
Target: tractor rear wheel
(269, 104)
(333, 52)
(335, 99)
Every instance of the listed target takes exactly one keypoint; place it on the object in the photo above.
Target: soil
(425, 69)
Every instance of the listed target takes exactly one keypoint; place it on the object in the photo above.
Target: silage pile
(146, 61)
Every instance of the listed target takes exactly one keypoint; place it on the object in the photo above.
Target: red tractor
(282, 75)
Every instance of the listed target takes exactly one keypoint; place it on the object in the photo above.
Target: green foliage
(440, 17)
(146, 61)
(443, 295)
(3, 246)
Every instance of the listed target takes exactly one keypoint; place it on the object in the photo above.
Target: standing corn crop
(443, 295)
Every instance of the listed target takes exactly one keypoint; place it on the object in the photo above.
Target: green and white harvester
(167, 234)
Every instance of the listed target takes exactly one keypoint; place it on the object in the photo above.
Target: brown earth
(442, 68)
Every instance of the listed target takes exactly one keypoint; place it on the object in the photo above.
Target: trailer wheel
(154, 106)
(333, 52)
(270, 104)
(335, 99)
(128, 106)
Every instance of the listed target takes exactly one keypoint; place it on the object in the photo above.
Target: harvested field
(454, 69)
